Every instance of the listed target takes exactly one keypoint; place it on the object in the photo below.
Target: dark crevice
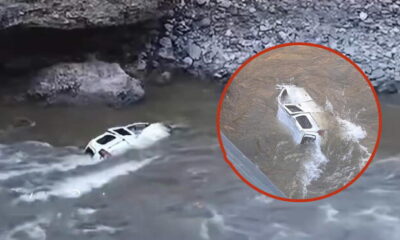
(25, 49)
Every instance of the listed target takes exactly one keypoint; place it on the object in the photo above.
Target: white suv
(298, 112)
(118, 140)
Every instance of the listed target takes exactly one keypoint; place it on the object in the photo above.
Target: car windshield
(105, 139)
(304, 122)
(122, 132)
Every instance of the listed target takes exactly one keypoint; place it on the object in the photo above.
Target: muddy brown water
(249, 119)
(76, 125)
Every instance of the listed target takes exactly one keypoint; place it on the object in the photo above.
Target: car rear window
(307, 139)
(293, 108)
(122, 131)
(304, 122)
(105, 139)
(89, 151)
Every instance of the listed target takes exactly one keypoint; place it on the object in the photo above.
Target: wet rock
(220, 73)
(378, 73)
(163, 79)
(23, 122)
(84, 83)
(388, 88)
(141, 64)
(187, 62)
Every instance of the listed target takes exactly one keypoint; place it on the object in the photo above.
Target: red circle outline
(221, 100)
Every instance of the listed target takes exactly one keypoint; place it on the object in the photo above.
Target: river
(180, 188)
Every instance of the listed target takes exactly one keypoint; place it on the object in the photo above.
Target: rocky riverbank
(214, 37)
(207, 38)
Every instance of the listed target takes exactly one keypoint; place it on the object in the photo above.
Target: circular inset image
(299, 122)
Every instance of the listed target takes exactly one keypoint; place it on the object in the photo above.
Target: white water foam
(62, 164)
(328, 106)
(101, 228)
(33, 230)
(75, 187)
(351, 131)
(395, 158)
(330, 212)
(380, 213)
(217, 220)
(263, 199)
(313, 167)
(86, 211)
(298, 95)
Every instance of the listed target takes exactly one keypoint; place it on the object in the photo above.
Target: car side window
(122, 132)
(105, 139)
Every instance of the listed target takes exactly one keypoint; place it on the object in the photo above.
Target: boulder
(85, 83)
(23, 122)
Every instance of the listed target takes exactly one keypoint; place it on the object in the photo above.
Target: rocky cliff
(72, 14)
(214, 37)
(208, 38)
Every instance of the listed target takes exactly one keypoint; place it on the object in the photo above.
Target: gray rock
(166, 42)
(205, 22)
(188, 61)
(83, 83)
(363, 16)
(164, 78)
(141, 64)
(377, 73)
(201, 2)
(23, 122)
(194, 51)
(74, 14)
(224, 3)
(169, 27)
(220, 73)
(166, 53)
(264, 28)
(387, 88)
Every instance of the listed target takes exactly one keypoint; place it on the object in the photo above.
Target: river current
(181, 188)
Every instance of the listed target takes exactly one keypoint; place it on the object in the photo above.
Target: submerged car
(117, 140)
(300, 114)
